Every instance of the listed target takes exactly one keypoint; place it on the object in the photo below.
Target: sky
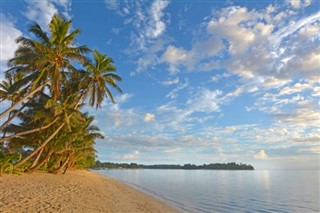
(203, 81)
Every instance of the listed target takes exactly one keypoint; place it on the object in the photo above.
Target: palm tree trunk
(48, 140)
(67, 167)
(23, 99)
(12, 117)
(45, 160)
(30, 131)
(37, 158)
(41, 146)
(63, 165)
(54, 165)
(5, 132)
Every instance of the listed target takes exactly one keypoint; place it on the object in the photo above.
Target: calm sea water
(228, 191)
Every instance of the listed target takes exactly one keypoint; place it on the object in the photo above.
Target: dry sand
(77, 191)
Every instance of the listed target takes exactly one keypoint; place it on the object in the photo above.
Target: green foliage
(213, 166)
(52, 77)
(7, 161)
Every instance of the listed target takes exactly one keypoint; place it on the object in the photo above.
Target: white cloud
(173, 150)
(133, 156)
(205, 101)
(298, 87)
(66, 4)
(171, 81)
(301, 117)
(42, 11)
(316, 91)
(116, 117)
(156, 25)
(312, 138)
(8, 35)
(261, 155)
(299, 3)
(233, 94)
(149, 117)
(149, 21)
(216, 78)
(306, 64)
(180, 86)
(312, 150)
(174, 55)
(272, 59)
(123, 98)
(293, 27)
(112, 4)
(199, 58)
(310, 30)
(228, 27)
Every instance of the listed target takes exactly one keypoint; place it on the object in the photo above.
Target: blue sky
(215, 81)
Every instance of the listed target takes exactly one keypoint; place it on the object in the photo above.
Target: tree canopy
(212, 166)
(50, 78)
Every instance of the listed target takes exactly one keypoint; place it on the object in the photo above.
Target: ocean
(225, 191)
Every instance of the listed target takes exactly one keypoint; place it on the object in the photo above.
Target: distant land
(212, 166)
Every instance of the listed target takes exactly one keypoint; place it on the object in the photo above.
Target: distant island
(212, 166)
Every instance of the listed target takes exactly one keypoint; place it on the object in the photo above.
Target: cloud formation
(8, 35)
(132, 156)
(299, 3)
(261, 155)
(156, 26)
(149, 117)
(42, 11)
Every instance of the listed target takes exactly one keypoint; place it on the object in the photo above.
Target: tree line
(212, 166)
(48, 81)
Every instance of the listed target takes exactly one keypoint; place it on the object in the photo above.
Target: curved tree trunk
(12, 117)
(67, 167)
(23, 99)
(63, 165)
(45, 160)
(41, 146)
(51, 136)
(55, 165)
(37, 158)
(70, 163)
(30, 131)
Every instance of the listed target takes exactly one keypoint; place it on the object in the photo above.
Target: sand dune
(77, 191)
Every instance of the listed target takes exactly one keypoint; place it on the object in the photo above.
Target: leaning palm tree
(45, 59)
(47, 62)
(5, 94)
(95, 80)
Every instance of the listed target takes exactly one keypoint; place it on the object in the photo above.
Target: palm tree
(75, 148)
(45, 60)
(98, 76)
(5, 94)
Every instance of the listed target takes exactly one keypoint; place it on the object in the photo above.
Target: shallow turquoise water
(284, 191)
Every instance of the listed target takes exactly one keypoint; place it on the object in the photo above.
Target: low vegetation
(213, 166)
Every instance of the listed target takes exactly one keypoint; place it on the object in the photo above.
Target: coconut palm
(5, 87)
(45, 59)
(52, 125)
(99, 75)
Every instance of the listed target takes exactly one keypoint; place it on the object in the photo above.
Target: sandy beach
(77, 191)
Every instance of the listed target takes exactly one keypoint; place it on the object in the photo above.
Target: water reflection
(266, 179)
(228, 191)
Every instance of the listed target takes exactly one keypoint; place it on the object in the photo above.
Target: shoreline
(76, 191)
